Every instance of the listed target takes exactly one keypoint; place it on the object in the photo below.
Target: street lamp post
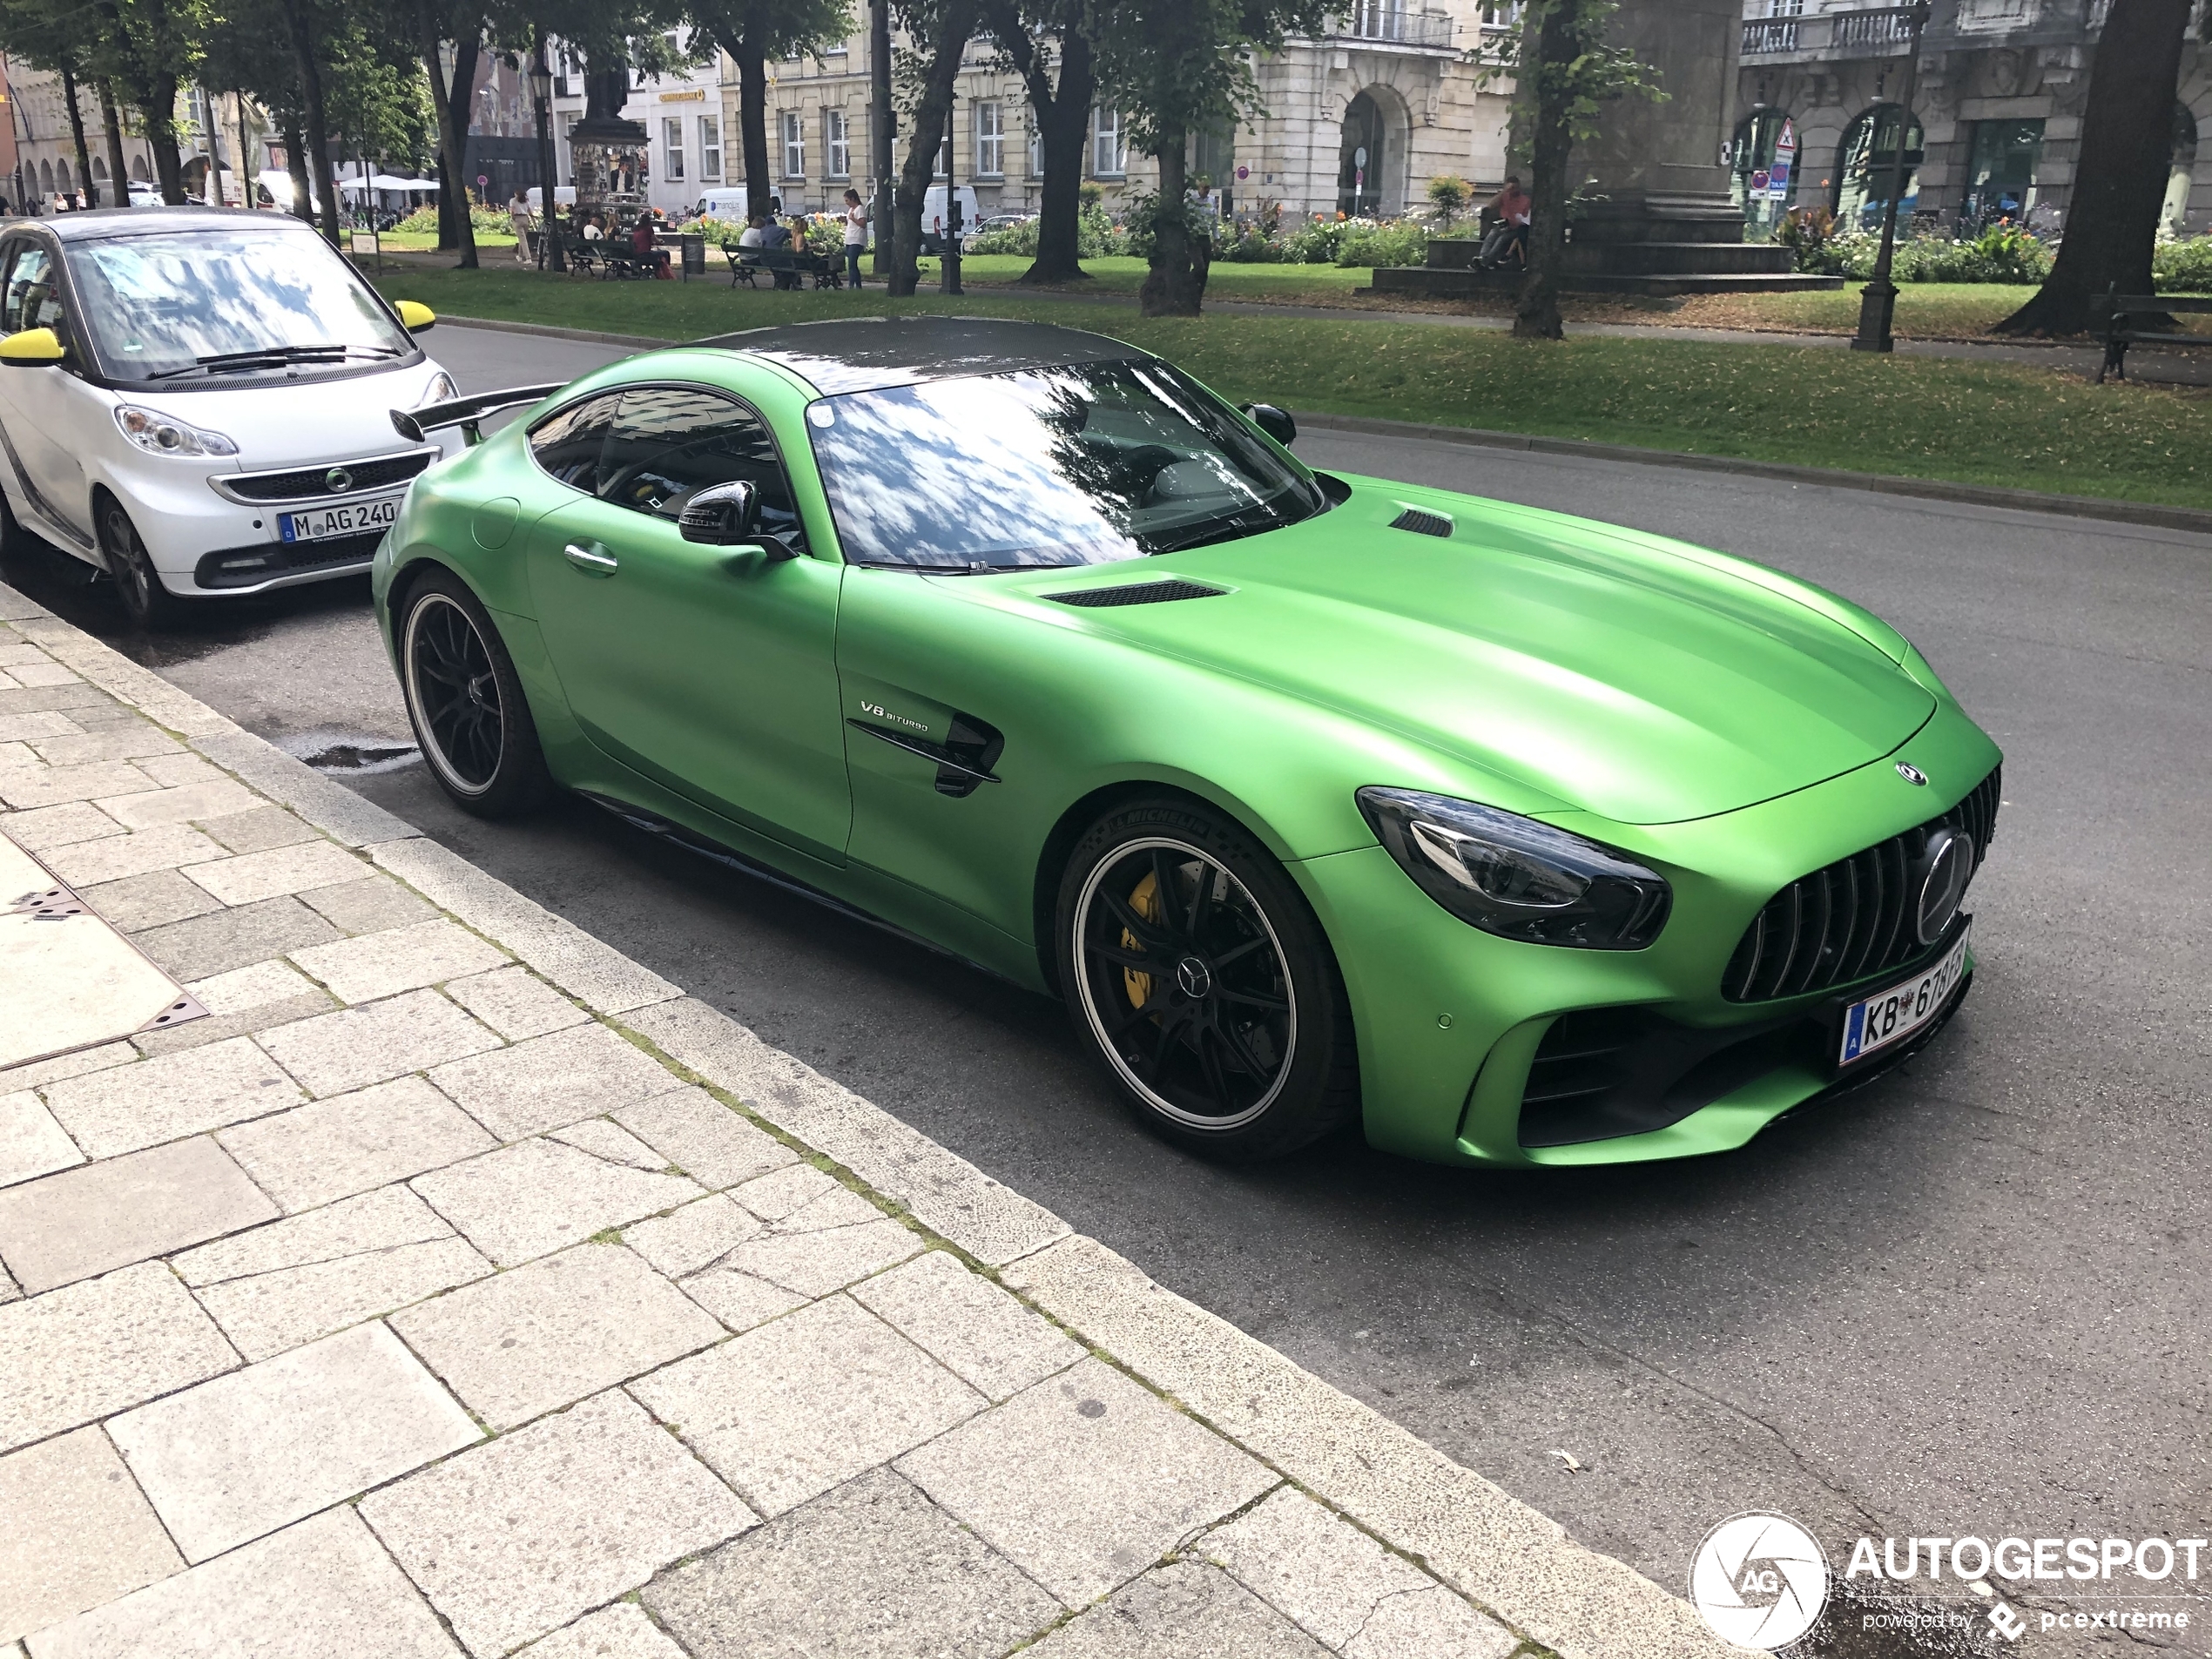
(1878, 302)
(549, 244)
(880, 122)
(948, 260)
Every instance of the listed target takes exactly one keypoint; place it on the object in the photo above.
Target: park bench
(2133, 319)
(745, 264)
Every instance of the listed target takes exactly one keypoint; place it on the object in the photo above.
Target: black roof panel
(867, 353)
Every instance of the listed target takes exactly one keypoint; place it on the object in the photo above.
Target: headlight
(442, 390)
(1517, 878)
(158, 435)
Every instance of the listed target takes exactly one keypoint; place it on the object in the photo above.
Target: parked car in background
(935, 206)
(197, 402)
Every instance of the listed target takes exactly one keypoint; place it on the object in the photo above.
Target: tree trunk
(453, 187)
(118, 167)
(295, 163)
(752, 123)
(161, 137)
(318, 119)
(551, 256)
(954, 25)
(2119, 183)
(1549, 45)
(1062, 115)
(1177, 282)
(247, 174)
(76, 133)
(453, 152)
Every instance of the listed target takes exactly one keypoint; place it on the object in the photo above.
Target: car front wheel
(1196, 973)
(466, 704)
(145, 600)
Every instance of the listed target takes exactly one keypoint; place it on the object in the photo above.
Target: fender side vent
(1421, 522)
(1137, 593)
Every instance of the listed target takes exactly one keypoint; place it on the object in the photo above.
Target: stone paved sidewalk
(457, 1285)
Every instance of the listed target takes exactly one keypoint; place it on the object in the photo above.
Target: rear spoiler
(466, 412)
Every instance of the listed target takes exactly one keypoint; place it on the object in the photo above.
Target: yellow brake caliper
(1144, 898)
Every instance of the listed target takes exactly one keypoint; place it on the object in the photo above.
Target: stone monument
(609, 155)
(1658, 218)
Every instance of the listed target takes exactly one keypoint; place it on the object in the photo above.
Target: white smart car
(199, 401)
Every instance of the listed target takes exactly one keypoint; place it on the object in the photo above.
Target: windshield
(208, 305)
(1075, 465)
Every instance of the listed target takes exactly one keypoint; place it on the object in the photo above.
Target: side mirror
(32, 348)
(1277, 423)
(416, 317)
(722, 515)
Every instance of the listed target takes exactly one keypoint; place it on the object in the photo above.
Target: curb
(2118, 512)
(1497, 1551)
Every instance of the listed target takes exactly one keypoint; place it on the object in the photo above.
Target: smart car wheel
(466, 704)
(145, 601)
(1195, 970)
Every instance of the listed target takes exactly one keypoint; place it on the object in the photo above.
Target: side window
(568, 444)
(670, 443)
(29, 300)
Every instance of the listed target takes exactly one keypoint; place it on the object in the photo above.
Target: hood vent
(1422, 522)
(1136, 593)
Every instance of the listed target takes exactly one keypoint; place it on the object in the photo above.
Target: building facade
(682, 113)
(1996, 124)
(1356, 120)
(40, 160)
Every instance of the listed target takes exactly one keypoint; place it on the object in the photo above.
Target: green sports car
(1522, 839)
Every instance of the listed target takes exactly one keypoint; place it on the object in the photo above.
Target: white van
(564, 196)
(934, 208)
(723, 204)
(198, 400)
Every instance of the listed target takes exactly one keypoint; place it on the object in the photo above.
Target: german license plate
(352, 519)
(1891, 1016)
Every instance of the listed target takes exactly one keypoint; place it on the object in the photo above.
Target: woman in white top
(856, 235)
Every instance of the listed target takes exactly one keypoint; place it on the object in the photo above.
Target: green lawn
(1308, 284)
(2024, 427)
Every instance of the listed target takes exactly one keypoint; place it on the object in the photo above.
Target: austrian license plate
(1891, 1016)
(352, 519)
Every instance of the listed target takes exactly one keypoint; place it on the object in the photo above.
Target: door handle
(592, 561)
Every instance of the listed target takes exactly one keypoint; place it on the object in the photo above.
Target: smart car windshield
(1077, 464)
(213, 305)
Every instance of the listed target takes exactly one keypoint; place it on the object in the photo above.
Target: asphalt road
(1966, 1301)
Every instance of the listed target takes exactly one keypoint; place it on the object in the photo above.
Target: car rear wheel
(466, 703)
(145, 600)
(1196, 973)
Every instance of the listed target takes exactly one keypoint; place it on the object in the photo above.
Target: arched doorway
(1370, 161)
(1763, 178)
(46, 178)
(2181, 170)
(139, 168)
(61, 178)
(100, 171)
(1865, 164)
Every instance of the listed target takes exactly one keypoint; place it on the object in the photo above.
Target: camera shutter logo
(1760, 1581)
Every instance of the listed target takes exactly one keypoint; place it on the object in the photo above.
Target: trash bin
(694, 253)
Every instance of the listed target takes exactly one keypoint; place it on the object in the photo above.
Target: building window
(836, 145)
(1109, 150)
(794, 131)
(1036, 148)
(1785, 8)
(710, 147)
(990, 140)
(1866, 162)
(944, 167)
(672, 134)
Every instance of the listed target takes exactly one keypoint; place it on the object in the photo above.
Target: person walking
(518, 221)
(856, 236)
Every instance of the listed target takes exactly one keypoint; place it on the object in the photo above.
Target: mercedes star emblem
(339, 480)
(1910, 773)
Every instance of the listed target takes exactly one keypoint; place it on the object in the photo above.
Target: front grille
(305, 483)
(1422, 522)
(1137, 593)
(1851, 919)
(246, 567)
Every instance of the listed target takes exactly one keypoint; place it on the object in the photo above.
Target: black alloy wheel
(1200, 976)
(145, 600)
(466, 704)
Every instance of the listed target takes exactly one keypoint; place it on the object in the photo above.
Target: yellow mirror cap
(32, 345)
(415, 315)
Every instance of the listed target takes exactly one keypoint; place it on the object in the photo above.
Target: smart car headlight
(161, 435)
(442, 390)
(1517, 878)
